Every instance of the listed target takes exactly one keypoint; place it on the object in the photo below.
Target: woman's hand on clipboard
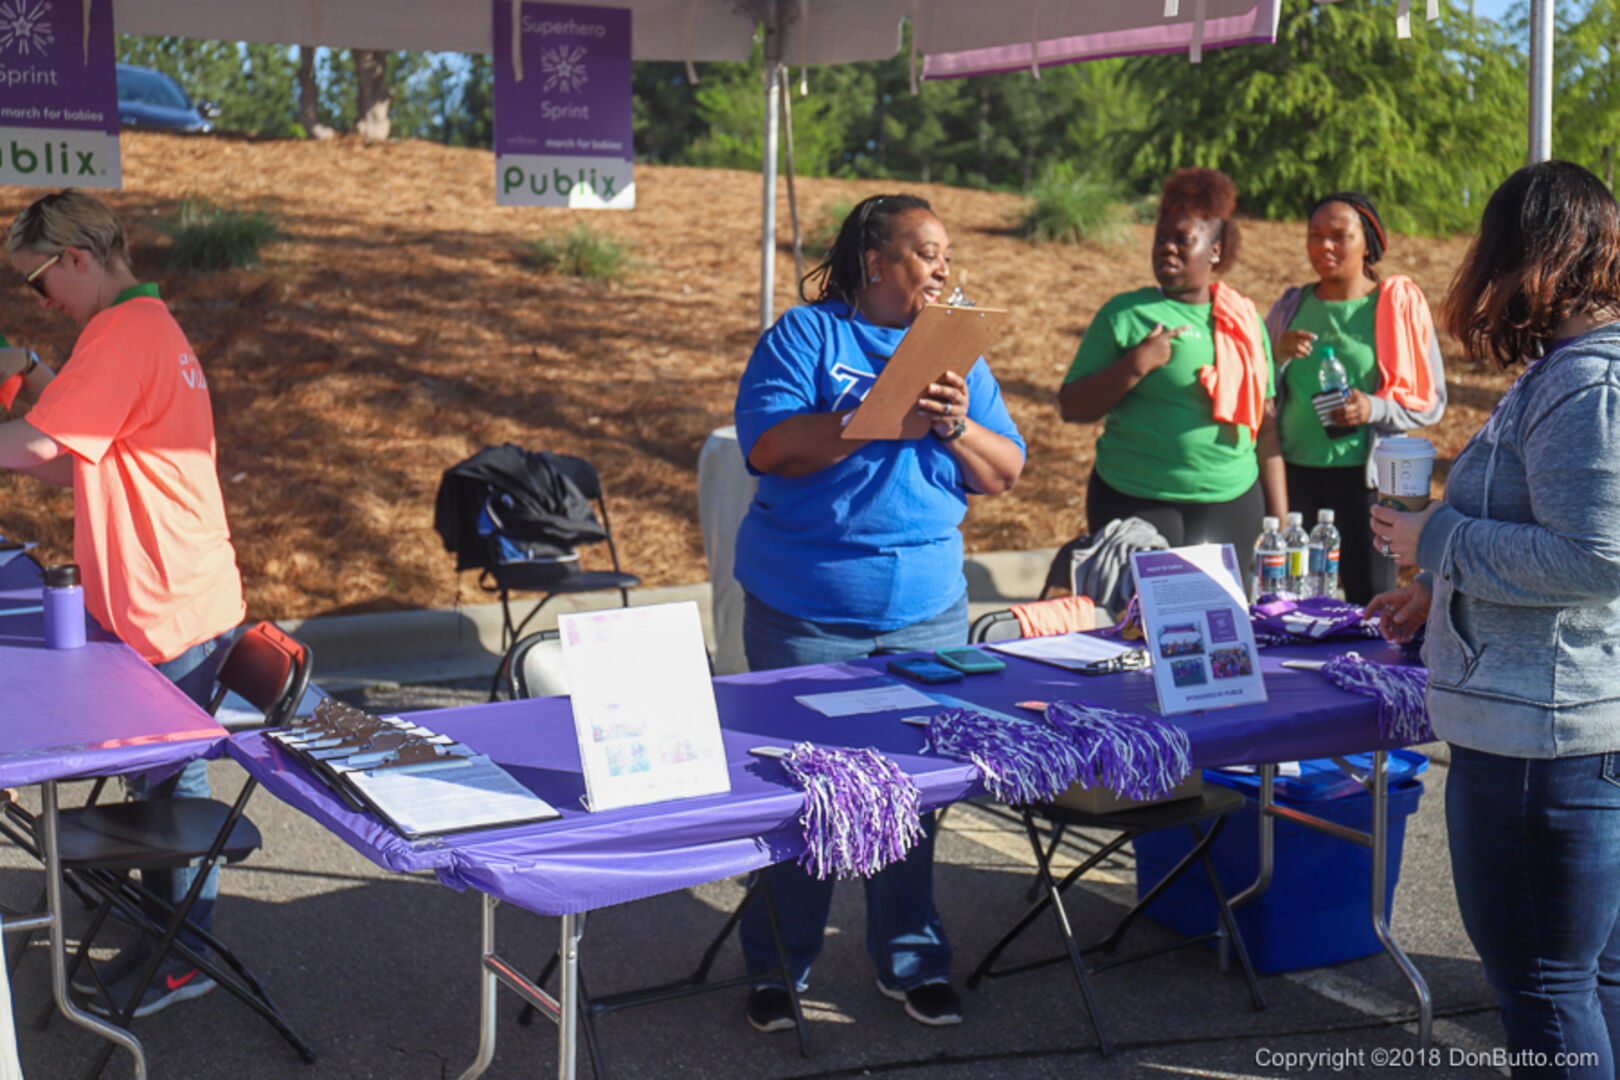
(945, 404)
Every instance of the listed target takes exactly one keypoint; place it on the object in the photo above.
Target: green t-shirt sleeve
(1100, 346)
(4, 344)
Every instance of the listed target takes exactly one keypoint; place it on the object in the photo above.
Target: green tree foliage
(1586, 95)
(1425, 126)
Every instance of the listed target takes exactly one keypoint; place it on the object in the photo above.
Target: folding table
(584, 861)
(74, 714)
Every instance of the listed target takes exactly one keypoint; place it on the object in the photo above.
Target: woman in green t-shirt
(1181, 374)
(1382, 333)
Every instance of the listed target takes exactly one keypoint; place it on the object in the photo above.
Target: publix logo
(45, 158)
(23, 27)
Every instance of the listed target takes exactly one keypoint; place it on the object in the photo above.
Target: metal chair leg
(788, 980)
(1233, 935)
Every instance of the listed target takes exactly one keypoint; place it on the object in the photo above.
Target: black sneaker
(175, 981)
(128, 961)
(935, 1004)
(770, 1009)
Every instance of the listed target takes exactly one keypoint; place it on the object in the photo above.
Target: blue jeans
(1535, 852)
(193, 672)
(904, 936)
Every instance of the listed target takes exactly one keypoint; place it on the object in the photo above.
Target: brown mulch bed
(396, 330)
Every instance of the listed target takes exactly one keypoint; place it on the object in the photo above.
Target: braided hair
(869, 227)
(1372, 226)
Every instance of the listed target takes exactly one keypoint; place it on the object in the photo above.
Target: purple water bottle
(64, 608)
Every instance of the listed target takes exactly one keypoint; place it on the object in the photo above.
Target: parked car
(151, 99)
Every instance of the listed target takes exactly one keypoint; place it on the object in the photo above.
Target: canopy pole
(773, 108)
(1541, 82)
(767, 241)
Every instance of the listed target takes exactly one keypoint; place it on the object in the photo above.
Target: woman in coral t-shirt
(127, 424)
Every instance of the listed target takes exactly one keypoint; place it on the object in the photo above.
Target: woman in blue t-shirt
(853, 548)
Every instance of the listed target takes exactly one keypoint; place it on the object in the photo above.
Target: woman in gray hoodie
(1521, 592)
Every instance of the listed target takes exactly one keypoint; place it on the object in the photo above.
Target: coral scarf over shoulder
(1236, 381)
(1403, 329)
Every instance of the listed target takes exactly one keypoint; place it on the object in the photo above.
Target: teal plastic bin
(1318, 909)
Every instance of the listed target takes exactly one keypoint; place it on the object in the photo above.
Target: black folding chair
(533, 666)
(101, 844)
(518, 516)
(563, 576)
(1211, 805)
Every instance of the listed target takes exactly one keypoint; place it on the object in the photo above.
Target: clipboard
(941, 339)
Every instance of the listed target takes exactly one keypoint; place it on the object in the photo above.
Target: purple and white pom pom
(1022, 762)
(1135, 757)
(860, 810)
(1397, 689)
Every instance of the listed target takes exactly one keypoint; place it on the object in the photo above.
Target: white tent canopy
(951, 37)
(796, 32)
(811, 31)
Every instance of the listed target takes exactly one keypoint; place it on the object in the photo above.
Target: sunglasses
(33, 280)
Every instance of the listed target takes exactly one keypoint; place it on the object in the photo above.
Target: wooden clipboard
(941, 339)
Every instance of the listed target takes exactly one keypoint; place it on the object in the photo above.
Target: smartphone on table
(922, 669)
(969, 661)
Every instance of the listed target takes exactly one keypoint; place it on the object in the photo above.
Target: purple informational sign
(59, 106)
(562, 106)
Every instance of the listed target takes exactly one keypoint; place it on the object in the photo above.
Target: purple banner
(59, 112)
(562, 105)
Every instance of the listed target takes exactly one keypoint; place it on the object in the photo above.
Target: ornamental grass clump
(1070, 207)
(208, 237)
(581, 252)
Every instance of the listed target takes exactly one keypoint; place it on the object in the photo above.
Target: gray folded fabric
(1104, 571)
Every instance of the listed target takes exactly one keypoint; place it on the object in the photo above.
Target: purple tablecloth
(585, 861)
(96, 711)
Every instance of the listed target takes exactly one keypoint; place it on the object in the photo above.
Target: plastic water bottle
(1324, 555)
(1270, 560)
(1330, 373)
(1296, 544)
(63, 598)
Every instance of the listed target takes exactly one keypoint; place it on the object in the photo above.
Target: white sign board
(1196, 622)
(644, 711)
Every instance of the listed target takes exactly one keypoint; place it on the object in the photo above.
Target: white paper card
(1071, 651)
(644, 711)
(1197, 625)
(871, 700)
(465, 793)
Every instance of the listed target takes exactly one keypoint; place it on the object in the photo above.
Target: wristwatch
(954, 434)
(33, 362)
